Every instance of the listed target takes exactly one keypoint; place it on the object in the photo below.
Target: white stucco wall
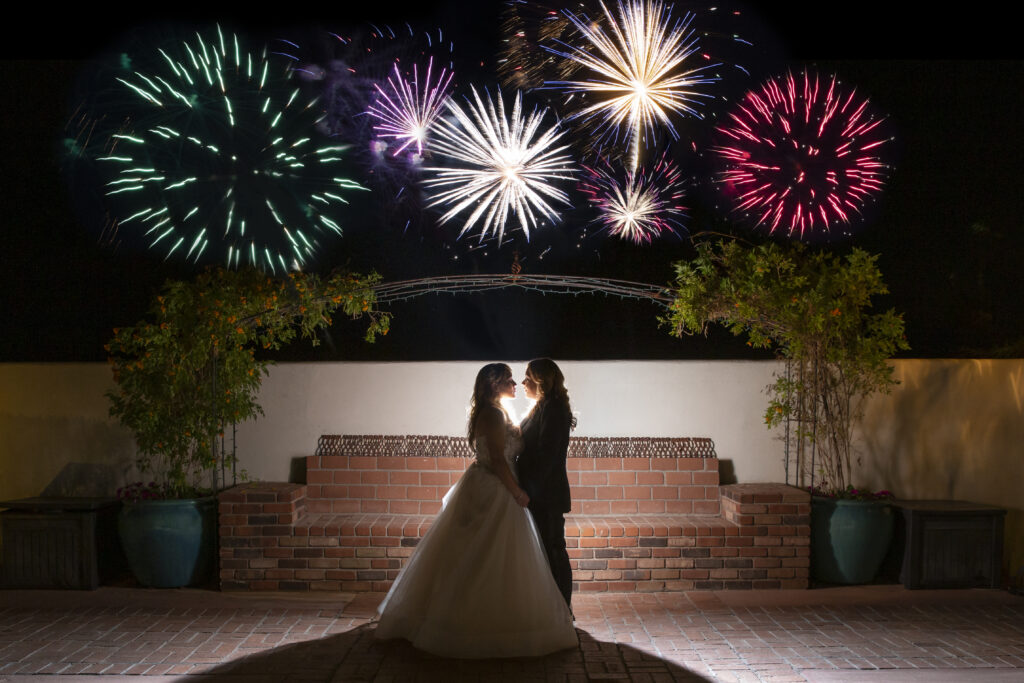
(720, 400)
(55, 414)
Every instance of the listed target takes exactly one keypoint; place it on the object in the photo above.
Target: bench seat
(413, 527)
(361, 514)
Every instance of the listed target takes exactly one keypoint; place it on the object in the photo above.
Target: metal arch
(389, 292)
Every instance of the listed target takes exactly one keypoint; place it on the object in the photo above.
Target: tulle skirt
(478, 584)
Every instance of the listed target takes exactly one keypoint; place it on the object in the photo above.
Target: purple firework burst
(801, 154)
(405, 110)
(637, 206)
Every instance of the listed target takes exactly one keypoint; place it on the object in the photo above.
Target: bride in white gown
(478, 584)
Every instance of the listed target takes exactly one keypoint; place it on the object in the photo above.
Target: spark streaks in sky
(217, 155)
(642, 69)
(500, 166)
(801, 154)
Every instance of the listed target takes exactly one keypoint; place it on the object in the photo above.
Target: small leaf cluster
(139, 491)
(191, 367)
(814, 308)
(823, 490)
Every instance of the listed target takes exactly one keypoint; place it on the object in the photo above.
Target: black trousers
(551, 526)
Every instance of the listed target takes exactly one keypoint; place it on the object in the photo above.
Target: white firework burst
(641, 70)
(643, 206)
(506, 165)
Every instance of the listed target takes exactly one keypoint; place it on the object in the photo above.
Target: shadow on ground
(356, 655)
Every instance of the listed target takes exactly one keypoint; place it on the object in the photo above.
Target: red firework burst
(801, 154)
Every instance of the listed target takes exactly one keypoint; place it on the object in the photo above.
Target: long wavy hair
(550, 384)
(485, 393)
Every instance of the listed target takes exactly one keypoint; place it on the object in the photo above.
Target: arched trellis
(390, 292)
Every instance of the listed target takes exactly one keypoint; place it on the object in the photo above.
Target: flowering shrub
(191, 369)
(823, 490)
(137, 491)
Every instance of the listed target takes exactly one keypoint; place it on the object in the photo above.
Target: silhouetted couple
(491, 578)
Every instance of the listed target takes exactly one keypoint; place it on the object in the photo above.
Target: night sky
(946, 226)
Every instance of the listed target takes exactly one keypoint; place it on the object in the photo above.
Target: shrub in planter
(814, 309)
(191, 368)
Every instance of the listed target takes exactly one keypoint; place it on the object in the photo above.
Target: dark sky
(946, 226)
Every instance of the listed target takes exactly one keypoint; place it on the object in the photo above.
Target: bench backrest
(608, 475)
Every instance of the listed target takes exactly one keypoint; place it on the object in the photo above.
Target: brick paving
(871, 633)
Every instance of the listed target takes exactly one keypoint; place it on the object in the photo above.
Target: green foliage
(814, 309)
(191, 368)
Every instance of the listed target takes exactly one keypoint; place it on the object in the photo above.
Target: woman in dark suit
(541, 464)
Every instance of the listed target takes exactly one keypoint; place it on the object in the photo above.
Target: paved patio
(858, 634)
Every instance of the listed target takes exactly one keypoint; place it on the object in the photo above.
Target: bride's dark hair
(551, 384)
(485, 393)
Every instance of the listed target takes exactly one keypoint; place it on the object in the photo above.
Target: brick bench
(648, 515)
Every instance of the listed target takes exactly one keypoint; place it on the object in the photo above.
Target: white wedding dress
(478, 584)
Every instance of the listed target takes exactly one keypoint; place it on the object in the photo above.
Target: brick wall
(625, 485)
(257, 521)
(775, 523)
(405, 485)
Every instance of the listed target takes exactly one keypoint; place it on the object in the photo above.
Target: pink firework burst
(801, 154)
(636, 206)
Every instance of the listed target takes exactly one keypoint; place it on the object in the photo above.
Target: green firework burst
(218, 156)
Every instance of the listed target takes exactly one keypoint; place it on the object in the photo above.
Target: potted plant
(812, 308)
(186, 373)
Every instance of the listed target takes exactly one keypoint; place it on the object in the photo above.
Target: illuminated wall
(53, 419)
(952, 429)
(721, 400)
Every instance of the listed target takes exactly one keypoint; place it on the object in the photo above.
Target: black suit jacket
(541, 465)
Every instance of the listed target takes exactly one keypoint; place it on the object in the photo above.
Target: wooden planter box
(60, 542)
(950, 544)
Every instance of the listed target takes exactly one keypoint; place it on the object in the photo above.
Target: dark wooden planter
(60, 542)
(949, 544)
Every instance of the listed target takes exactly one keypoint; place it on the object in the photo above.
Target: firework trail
(351, 67)
(405, 111)
(526, 27)
(354, 70)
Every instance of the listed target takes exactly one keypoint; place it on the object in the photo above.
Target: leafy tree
(814, 309)
(192, 368)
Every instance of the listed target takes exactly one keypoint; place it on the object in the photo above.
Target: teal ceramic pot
(169, 543)
(849, 539)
